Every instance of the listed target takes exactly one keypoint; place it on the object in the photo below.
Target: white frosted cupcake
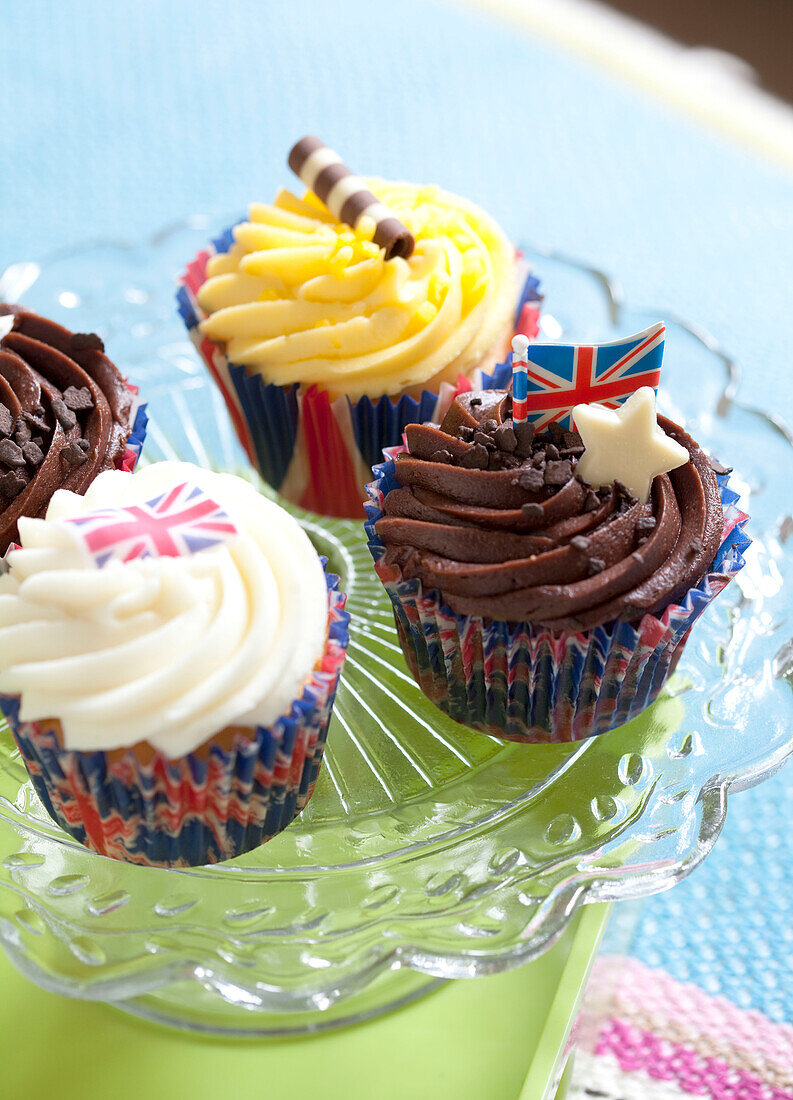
(170, 647)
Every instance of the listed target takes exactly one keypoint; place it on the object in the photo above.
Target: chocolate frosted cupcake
(66, 414)
(531, 603)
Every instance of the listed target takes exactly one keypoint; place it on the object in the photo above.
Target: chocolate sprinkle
(442, 456)
(74, 454)
(645, 524)
(33, 454)
(475, 459)
(591, 501)
(505, 438)
(558, 472)
(6, 421)
(11, 453)
(12, 484)
(718, 468)
(551, 452)
(78, 398)
(22, 432)
(531, 480)
(533, 511)
(596, 565)
(37, 421)
(580, 542)
(86, 341)
(524, 433)
(64, 416)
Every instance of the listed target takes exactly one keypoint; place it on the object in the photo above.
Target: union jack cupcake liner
(526, 683)
(317, 452)
(137, 436)
(201, 808)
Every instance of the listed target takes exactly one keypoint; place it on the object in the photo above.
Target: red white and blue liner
(523, 682)
(207, 806)
(315, 451)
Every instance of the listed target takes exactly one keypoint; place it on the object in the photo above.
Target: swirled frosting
(303, 298)
(495, 518)
(166, 650)
(65, 415)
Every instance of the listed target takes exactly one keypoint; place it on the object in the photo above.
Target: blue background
(117, 119)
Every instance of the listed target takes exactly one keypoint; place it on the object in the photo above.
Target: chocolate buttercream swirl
(494, 516)
(65, 415)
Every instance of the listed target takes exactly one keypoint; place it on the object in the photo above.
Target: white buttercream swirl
(164, 650)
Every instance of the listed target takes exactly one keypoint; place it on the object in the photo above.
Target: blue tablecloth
(119, 118)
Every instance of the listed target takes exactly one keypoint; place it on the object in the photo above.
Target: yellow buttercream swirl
(300, 297)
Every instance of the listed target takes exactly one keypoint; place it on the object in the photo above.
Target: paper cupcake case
(137, 436)
(200, 808)
(317, 452)
(526, 683)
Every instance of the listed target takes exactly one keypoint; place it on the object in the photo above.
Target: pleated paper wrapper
(315, 451)
(524, 682)
(200, 808)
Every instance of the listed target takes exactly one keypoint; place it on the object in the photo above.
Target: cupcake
(544, 580)
(330, 325)
(170, 647)
(66, 414)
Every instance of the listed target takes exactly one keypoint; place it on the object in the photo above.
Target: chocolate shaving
(442, 456)
(532, 511)
(531, 480)
(11, 453)
(6, 421)
(551, 452)
(36, 419)
(12, 484)
(580, 542)
(595, 565)
(505, 438)
(86, 341)
(33, 454)
(22, 431)
(524, 433)
(75, 398)
(475, 459)
(718, 468)
(558, 472)
(645, 524)
(64, 416)
(74, 454)
(591, 501)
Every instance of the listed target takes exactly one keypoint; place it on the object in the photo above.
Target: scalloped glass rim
(427, 848)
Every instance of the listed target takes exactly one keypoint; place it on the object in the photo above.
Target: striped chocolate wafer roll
(346, 195)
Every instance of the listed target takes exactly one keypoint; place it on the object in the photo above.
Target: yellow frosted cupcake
(324, 347)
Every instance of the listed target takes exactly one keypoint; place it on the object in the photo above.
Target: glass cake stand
(428, 851)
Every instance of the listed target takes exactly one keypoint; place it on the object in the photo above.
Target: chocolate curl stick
(346, 196)
(520, 379)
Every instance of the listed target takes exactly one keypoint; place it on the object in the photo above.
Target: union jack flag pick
(520, 347)
(181, 521)
(560, 376)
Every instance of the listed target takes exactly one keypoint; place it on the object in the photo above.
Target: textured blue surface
(119, 118)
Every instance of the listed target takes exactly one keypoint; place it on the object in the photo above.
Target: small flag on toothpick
(520, 378)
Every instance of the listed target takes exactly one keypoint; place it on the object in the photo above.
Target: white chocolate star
(626, 444)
